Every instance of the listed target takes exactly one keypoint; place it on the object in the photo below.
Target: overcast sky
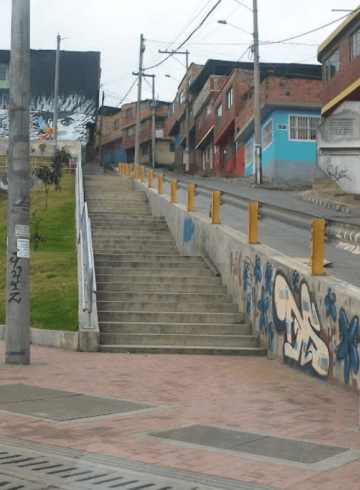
(113, 27)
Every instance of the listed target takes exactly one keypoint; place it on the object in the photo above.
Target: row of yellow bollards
(317, 227)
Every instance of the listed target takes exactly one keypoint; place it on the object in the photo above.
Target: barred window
(303, 128)
(268, 134)
(229, 98)
(354, 44)
(159, 124)
(249, 150)
(219, 112)
(2, 73)
(331, 65)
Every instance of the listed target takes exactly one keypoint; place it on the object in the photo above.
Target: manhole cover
(247, 442)
(44, 467)
(62, 406)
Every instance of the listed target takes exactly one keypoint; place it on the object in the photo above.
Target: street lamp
(257, 110)
(225, 22)
(170, 76)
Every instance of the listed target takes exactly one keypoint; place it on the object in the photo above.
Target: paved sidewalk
(251, 394)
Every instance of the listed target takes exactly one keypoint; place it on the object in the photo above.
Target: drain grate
(298, 451)
(62, 406)
(40, 470)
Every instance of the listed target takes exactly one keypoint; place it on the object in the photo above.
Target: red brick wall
(240, 162)
(349, 69)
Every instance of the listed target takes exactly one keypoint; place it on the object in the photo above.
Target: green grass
(54, 291)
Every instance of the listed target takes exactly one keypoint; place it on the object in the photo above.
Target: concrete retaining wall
(50, 338)
(310, 322)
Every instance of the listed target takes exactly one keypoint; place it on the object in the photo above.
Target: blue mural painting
(188, 229)
(296, 281)
(246, 274)
(257, 270)
(269, 273)
(348, 347)
(330, 300)
(271, 336)
(263, 306)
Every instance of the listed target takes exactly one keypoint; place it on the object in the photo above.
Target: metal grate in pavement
(41, 470)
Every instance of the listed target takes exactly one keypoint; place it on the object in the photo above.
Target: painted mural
(285, 313)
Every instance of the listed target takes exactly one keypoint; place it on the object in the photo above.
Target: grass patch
(54, 290)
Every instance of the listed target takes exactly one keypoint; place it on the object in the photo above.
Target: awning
(204, 138)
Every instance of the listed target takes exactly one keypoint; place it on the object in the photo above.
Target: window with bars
(181, 98)
(229, 98)
(267, 134)
(249, 150)
(303, 128)
(355, 44)
(159, 124)
(331, 65)
(219, 112)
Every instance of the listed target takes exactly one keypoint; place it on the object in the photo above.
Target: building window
(145, 150)
(128, 112)
(208, 109)
(267, 134)
(142, 126)
(129, 131)
(303, 128)
(3, 73)
(331, 65)
(219, 112)
(181, 98)
(159, 124)
(144, 105)
(200, 120)
(354, 44)
(249, 153)
(229, 98)
(172, 147)
(116, 124)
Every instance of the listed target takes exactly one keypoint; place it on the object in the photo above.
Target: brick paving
(251, 394)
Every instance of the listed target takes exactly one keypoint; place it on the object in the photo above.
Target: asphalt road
(284, 237)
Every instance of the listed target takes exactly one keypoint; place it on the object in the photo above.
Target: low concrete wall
(50, 338)
(310, 322)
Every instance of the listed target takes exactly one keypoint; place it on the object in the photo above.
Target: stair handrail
(84, 239)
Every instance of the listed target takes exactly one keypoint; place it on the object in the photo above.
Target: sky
(113, 27)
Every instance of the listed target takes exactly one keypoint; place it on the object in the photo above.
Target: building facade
(79, 85)
(338, 148)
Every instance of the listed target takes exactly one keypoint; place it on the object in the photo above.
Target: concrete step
(176, 258)
(175, 328)
(147, 265)
(122, 273)
(132, 226)
(136, 234)
(170, 317)
(120, 243)
(135, 280)
(103, 249)
(173, 307)
(119, 288)
(190, 340)
(174, 349)
(138, 219)
(160, 298)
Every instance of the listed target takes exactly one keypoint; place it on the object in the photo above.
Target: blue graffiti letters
(330, 300)
(348, 348)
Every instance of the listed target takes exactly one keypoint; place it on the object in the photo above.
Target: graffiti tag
(15, 294)
(335, 174)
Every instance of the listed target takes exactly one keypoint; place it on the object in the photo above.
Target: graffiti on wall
(188, 230)
(299, 321)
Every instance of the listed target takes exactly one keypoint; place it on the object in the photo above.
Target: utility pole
(153, 120)
(138, 106)
(257, 102)
(18, 217)
(187, 101)
(56, 98)
(101, 129)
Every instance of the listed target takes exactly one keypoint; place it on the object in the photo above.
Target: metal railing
(84, 238)
(35, 164)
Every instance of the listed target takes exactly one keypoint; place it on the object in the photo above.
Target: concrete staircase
(150, 298)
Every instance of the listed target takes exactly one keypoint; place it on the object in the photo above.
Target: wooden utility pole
(138, 106)
(18, 213)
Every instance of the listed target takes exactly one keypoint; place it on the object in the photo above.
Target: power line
(130, 89)
(189, 37)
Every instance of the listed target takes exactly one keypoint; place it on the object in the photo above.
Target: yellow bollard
(317, 247)
(123, 168)
(161, 184)
(126, 170)
(253, 222)
(215, 211)
(173, 191)
(136, 171)
(151, 177)
(191, 198)
(142, 173)
(130, 171)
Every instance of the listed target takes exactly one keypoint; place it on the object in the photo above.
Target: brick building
(165, 150)
(112, 150)
(338, 149)
(223, 109)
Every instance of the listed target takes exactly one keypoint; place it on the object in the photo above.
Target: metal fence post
(317, 247)
(253, 222)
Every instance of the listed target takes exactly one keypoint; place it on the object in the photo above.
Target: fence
(36, 163)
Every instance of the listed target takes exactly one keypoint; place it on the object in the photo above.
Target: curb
(50, 338)
(330, 205)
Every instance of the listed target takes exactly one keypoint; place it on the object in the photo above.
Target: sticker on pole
(22, 231)
(23, 249)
